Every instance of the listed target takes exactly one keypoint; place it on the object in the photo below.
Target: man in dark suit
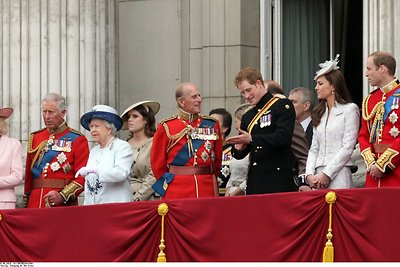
(266, 133)
(301, 98)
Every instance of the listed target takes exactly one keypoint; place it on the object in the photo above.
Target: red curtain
(274, 228)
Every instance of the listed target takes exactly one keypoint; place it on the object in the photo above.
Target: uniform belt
(50, 183)
(190, 170)
(380, 148)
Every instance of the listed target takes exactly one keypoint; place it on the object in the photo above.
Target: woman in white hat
(139, 119)
(11, 170)
(107, 169)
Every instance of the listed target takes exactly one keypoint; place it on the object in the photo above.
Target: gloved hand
(84, 171)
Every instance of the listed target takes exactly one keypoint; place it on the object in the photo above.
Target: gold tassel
(162, 210)
(328, 255)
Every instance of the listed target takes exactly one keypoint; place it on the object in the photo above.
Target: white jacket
(334, 140)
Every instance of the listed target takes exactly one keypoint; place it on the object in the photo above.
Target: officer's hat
(102, 112)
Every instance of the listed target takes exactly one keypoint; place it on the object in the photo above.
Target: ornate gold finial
(328, 255)
(162, 210)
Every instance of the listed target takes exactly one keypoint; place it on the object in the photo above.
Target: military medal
(225, 171)
(66, 168)
(393, 117)
(394, 131)
(205, 156)
(55, 166)
(61, 158)
(208, 145)
(395, 104)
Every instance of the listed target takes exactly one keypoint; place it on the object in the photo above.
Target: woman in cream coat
(139, 119)
(336, 124)
(10, 163)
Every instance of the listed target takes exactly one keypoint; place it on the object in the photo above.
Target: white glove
(84, 171)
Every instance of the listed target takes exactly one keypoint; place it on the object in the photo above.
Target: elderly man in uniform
(266, 133)
(379, 134)
(54, 155)
(187, 150)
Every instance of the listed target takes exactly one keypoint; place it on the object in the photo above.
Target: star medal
(208, 145)
(55, 166)
(61, 158)
(205, 156)
(394, 131)
(393, 117)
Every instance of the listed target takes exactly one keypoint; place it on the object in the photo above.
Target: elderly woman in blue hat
(107, 169)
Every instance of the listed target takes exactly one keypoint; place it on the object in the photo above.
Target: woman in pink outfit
(10, 163)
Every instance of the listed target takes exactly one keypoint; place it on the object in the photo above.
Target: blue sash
(49, 155)
(160, 186)
(389, 103)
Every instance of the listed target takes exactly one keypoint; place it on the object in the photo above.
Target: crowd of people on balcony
(283, 144)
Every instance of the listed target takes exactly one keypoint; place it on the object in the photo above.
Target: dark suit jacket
(271, 160)
(309, 133)
(300, 148)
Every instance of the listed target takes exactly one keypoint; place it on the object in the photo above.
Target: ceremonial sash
(391, 103)
(261, 112)
(49, 155)
(181, 158)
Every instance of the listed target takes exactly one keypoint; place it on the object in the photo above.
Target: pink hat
(5, 112)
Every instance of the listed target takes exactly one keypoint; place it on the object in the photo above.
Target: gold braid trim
(386, 159)
(38, 149)
(377, 111)
(69, 190)
(368, 156)
(329, 252)
(162, 211)
(174, 139)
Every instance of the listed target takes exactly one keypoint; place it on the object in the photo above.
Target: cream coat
(11, 170)
(333, 143)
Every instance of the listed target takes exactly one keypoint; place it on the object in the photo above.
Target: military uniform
(379, 134)
(270, 124)
(186, 156)
(225, 172)
(52, 160)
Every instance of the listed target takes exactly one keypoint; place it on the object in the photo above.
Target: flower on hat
(327, 66)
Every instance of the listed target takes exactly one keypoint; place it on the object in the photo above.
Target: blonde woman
(11, 170)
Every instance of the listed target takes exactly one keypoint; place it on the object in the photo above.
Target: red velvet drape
(275, 227)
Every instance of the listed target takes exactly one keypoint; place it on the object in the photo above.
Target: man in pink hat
(11, 170)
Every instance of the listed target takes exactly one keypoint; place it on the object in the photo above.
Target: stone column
(380, 31)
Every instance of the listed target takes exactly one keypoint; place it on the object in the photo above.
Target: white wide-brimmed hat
(327, 66)
(148, 104)
(102, 112)
(5, 112)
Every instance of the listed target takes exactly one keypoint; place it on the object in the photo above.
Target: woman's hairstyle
(149, 117)
(226, 119)
(111, 127)
(342, 95)
(3, 127)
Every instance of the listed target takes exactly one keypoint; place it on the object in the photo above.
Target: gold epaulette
(75, 131)
(38, 131)
(207, 117)
(168, 119)
(280, 96)
(69, 190)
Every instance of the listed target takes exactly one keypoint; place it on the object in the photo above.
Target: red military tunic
(379, 134)
(51, 163)
(190, 148)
